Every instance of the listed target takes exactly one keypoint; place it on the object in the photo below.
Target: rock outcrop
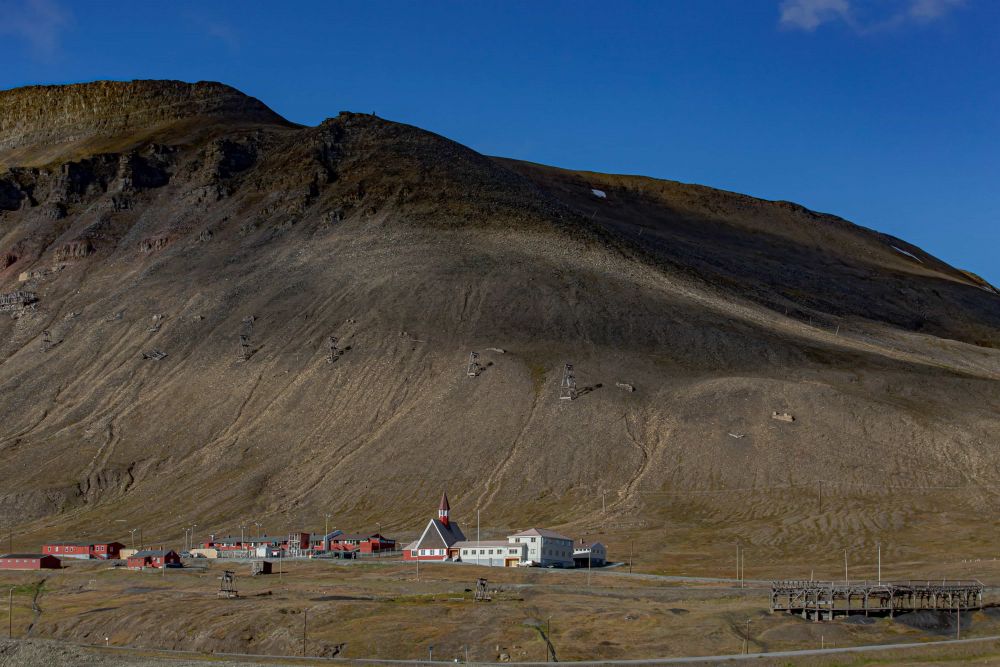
(38, 118)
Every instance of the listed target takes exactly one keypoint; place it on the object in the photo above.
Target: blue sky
(882, 111)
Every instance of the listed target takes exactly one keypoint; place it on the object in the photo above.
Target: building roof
(587, 548)
(150, 553)
(29, 556)
(361, 537)
(72, 543)
(437, 535)
(542, 532)
(319, 537)
(444, 502)
(473, 544)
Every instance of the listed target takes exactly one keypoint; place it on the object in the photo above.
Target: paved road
(706, 659)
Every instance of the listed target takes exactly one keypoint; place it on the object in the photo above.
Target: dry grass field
(380, 610)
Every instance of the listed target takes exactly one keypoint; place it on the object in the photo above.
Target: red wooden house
(154, 559)
(364, 542)
(29, 562)
(84, 550)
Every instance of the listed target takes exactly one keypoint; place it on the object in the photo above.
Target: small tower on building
(443, 509)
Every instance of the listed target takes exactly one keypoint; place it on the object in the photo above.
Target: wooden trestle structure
(821, 600)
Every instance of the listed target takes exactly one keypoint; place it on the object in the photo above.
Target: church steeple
(443, 509)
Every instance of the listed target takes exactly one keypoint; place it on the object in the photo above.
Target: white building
(544, 547)
(590, 555)
(493, 553)
(438, 540)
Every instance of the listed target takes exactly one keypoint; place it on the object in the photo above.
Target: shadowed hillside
(175, 212)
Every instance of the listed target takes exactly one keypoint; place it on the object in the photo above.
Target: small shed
(260, 567)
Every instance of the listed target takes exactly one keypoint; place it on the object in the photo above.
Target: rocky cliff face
(35, 119)
(121, 386)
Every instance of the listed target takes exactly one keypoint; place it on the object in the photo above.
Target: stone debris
(153, 244)
(625, 386)
(782, 417)
(737, 435)
(17, 300)
(70, 316)
(25, 276)
(114, 318)
(498, 350)
(77, 249)
(155, 355)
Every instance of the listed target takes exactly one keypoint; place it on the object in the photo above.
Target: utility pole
(327, 525)
(477, 527)
(630, 547)
(846, 580)
(430, 652)
(737, 562)
(548, 636)
(10, 613)
(958, 631)
(743, 568)
(878, 545)
(305, 626)
(590, 554)
(747, 651)
(604, 503)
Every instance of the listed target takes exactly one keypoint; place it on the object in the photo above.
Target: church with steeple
(437, 542)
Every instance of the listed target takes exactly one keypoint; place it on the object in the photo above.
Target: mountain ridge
(412, 251)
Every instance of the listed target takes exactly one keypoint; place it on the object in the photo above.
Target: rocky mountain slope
(170, 217)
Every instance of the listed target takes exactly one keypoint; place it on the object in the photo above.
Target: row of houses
(135, 560)
(336, 543)
(299, 544)
(443, 540)
(52, 554)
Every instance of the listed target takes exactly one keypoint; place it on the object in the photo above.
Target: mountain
(161, 217)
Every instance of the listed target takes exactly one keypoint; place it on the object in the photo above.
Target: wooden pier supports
(819, 601)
